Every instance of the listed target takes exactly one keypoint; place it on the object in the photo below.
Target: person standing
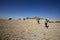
(46, 23)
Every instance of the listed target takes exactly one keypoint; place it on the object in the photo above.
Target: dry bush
(54, 21)
(51, 21)
(57, 21)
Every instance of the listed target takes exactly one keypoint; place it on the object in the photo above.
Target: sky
(49, 9)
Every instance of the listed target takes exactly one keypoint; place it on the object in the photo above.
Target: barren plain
(28, 30)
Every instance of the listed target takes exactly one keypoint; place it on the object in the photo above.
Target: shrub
(10, 18)
(57, 22)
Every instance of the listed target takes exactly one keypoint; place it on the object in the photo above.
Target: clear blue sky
(49, 9)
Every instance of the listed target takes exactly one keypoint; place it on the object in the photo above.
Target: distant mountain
(36, 17)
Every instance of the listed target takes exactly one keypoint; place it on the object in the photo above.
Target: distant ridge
(36, 17)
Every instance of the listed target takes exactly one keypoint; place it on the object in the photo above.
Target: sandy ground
(28, 30)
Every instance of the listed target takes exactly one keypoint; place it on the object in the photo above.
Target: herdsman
(46, 23)
(38, 21)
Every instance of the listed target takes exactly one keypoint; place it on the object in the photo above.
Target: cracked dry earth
(28, 30)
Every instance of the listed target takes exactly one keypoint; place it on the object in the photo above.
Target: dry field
(28, 30)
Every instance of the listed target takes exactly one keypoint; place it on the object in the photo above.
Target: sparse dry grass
(28, 30)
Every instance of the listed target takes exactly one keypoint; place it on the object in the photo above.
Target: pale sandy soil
(28, 30)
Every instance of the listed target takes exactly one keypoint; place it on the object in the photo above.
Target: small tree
(10, 18)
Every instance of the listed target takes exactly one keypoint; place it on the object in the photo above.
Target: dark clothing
(38, 22)
(46, 25)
